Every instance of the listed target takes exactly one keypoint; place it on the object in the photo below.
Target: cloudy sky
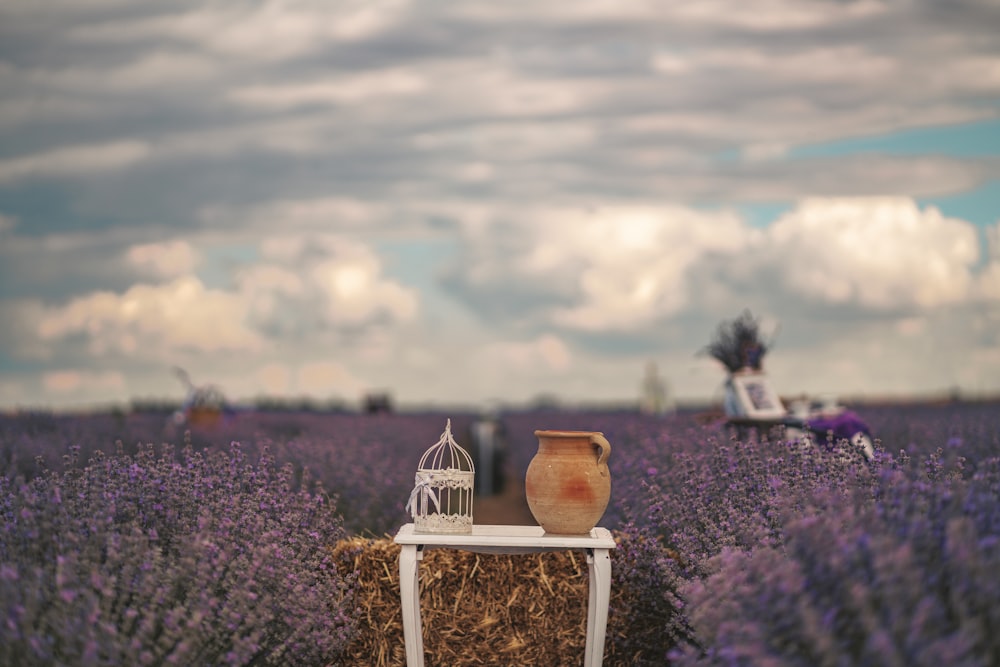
(481, 200)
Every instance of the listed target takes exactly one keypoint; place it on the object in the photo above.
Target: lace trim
(443, 523)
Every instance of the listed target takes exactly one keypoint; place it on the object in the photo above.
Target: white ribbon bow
(423, 488)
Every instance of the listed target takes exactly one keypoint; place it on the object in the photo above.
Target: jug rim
(567, 434)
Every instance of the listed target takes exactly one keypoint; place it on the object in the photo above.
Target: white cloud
(169, 259)
(7, 223)
(332, 90)
(288, 29)
(988, 285)
(989, 282)
(571, 168)
(545, 354)
(74, 160)
(911, 326)
(154, 321)
(768, 15)
(322, 378)
(772, 15)
(610, 268)
(875, 253)
(355, 292)
(161, 69)
(509, 141)
(631, 274)
(475, 172)
(73, 381)
(764, 151)
(315, 282)
(317, 285)
(274, 379)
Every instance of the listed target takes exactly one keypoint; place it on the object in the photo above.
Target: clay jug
(568, 484)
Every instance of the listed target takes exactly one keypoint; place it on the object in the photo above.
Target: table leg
(409, 589)
(599, 571)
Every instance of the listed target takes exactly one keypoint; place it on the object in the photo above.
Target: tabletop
(533, 537)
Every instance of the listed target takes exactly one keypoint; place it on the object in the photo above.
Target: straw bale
(477, 609)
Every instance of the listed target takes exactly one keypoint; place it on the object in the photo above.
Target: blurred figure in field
(489, 454)
(655, 398)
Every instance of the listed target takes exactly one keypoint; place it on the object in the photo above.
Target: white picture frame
(757, 398)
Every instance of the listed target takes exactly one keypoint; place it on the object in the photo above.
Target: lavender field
(126, 540)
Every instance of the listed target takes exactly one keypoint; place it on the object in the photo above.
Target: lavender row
(170, 558)
(740, 551)
(368, 461)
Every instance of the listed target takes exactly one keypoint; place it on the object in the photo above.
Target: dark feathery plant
(738, 343)
(189, 559)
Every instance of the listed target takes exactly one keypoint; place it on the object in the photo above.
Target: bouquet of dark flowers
(738, 343)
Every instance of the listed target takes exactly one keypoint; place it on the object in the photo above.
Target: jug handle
(602, 442)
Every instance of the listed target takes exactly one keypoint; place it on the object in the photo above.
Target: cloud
(384, 102)
(318, 285)
(246, 177)
(154, 321)
(56, 267)
(333, 91)
(546, 353)
(72, 381)
(289, 29)
(74, 160)
(323, 378)
(287, 376)
(321, 290)
(319, 214)
(874, 253)
(169, 259)
(988, 287)
(627, 272)
(274, 379)
(307, 284)
(773, 15)
(610, 268)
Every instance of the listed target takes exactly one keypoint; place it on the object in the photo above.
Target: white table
(507, 540)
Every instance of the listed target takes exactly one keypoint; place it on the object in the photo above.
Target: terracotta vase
(568, 484)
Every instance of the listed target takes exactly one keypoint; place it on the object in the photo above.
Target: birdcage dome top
(446, 454)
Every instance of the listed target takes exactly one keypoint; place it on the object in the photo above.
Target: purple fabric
(844, 425)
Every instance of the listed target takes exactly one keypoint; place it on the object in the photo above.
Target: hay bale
(502, 610)
(477, 609)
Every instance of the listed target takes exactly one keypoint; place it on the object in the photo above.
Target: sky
(479, 201)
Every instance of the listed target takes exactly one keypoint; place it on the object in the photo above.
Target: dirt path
(509, 508)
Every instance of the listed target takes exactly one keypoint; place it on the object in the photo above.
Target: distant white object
(799, 408)
(749, 394)
(864, 443)
(655, 399)
(807, 421)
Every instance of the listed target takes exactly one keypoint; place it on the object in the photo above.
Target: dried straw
(476, 609)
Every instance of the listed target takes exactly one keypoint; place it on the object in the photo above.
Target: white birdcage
(441, 500)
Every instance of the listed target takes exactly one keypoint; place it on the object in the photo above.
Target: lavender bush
(908, 579)
(366, 461)
(752, 551)
(788, 555)
(189, 559)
